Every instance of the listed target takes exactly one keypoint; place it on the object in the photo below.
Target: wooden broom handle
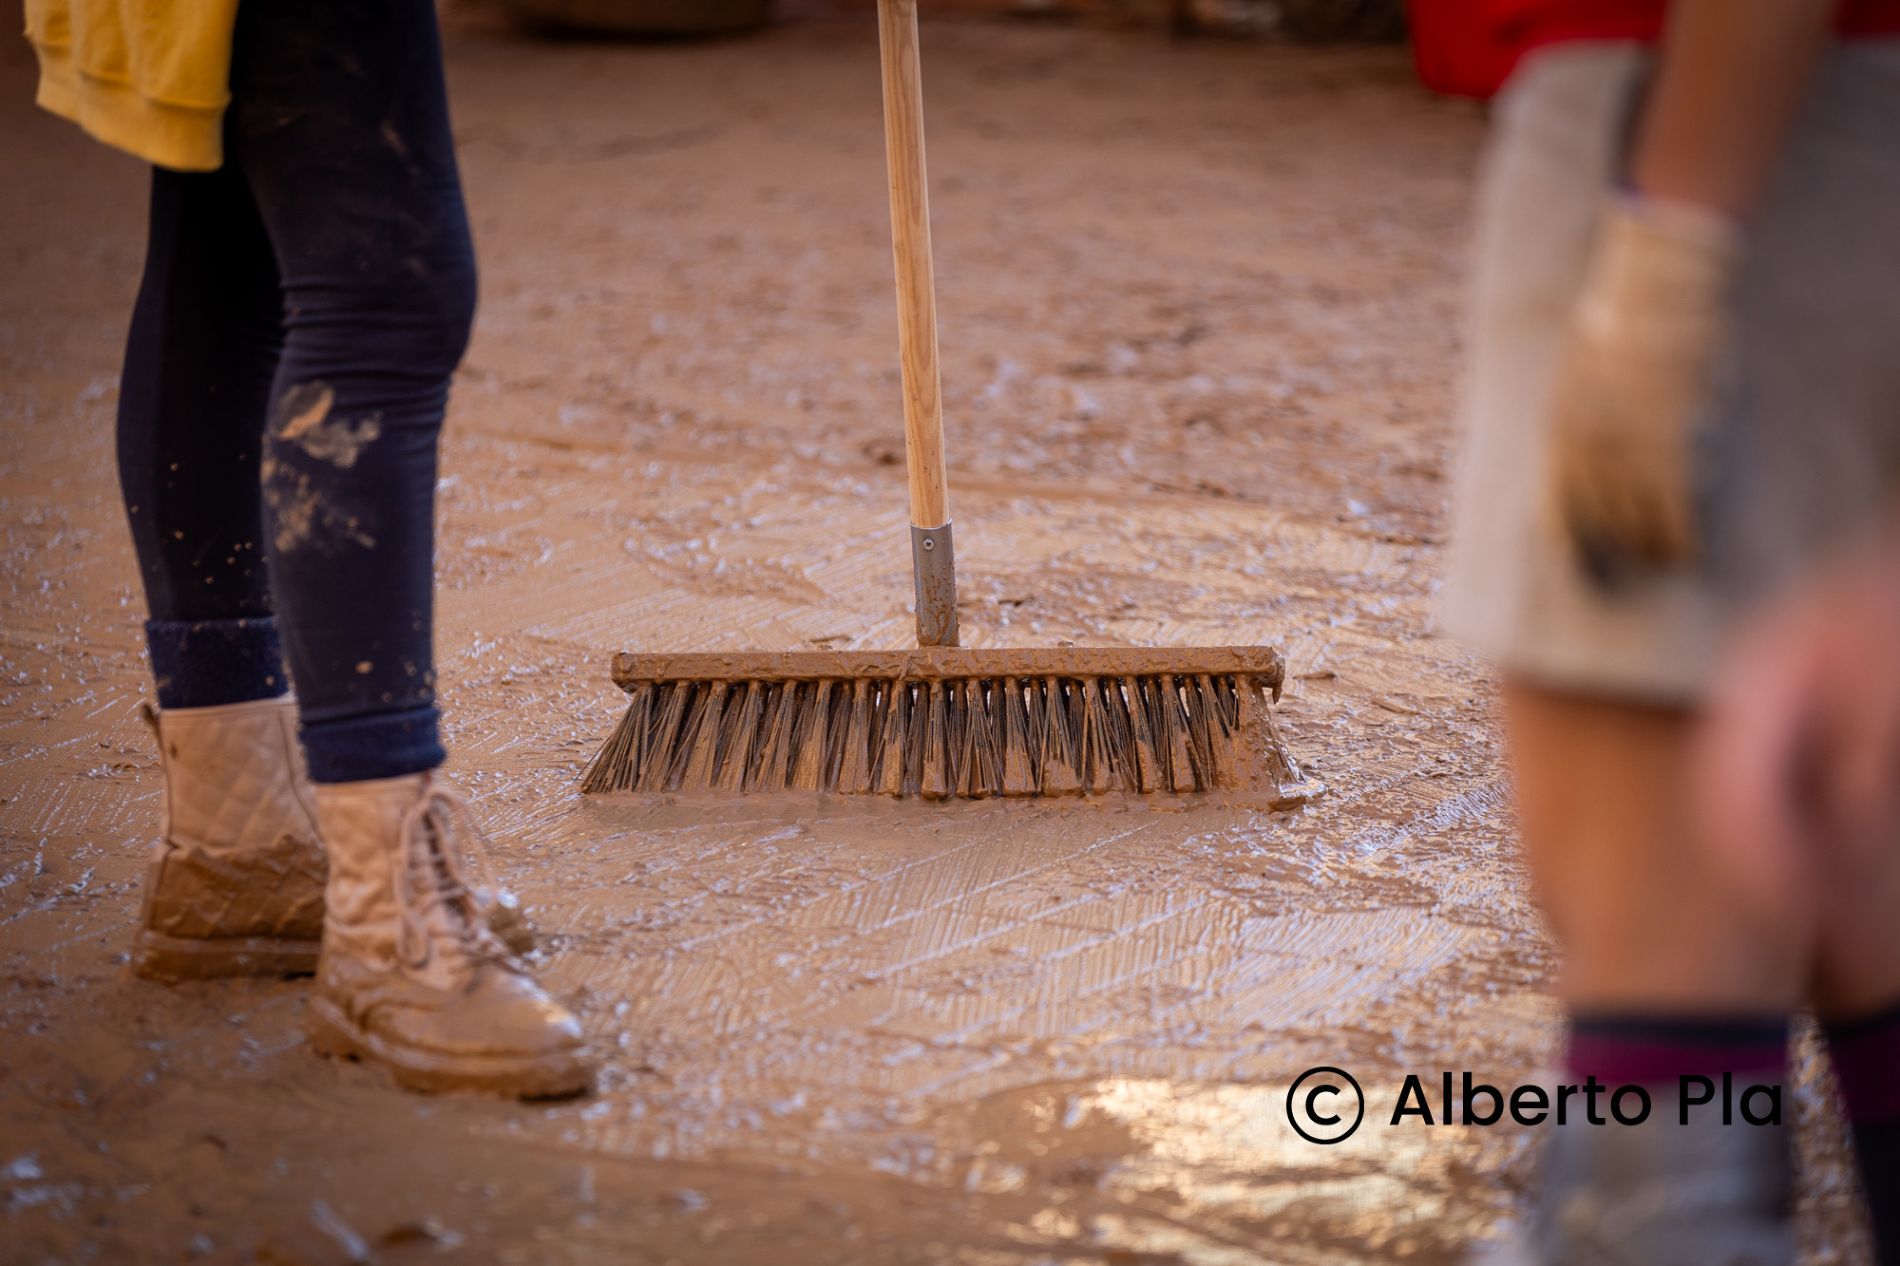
(910, 244)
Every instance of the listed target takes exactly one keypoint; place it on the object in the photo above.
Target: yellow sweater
(148, 76)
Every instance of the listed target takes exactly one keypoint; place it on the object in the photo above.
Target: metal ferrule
(933, 562)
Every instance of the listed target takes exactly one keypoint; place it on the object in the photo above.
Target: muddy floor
(1199, 307)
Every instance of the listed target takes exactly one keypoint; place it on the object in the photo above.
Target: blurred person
(1798, 776)
(308, 291)
(1684, 391)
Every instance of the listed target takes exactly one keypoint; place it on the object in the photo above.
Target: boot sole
(554, 1076)
(172, 959)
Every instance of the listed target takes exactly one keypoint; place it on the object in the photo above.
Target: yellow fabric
(151, 77)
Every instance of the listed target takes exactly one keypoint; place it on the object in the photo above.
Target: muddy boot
(502, 912)
(235, 887)
(412, 977)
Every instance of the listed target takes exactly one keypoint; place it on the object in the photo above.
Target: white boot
(235, 886)
(411, 976)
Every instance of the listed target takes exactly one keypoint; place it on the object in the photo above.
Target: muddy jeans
(301, 312)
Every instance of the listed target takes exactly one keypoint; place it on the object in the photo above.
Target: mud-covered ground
(1199, 308)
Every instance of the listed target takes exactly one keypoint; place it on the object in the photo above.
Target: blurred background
(1299, 19)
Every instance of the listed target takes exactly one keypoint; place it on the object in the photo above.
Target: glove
(1634, 382)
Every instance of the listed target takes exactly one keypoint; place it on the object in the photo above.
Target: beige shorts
(1805, 430)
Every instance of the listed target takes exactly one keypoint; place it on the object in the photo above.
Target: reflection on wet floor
(1212, 1173)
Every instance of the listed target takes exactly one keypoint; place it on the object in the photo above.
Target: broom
(941, 721)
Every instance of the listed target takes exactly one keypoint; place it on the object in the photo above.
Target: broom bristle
(936, 734)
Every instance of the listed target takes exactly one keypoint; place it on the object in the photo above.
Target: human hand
(1798, 772)
(1633, 383)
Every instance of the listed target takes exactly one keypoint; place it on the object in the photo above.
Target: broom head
(948, 722)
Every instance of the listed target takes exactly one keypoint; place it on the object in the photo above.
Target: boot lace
(442, 853)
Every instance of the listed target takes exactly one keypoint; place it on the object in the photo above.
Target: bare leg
(1672, 973)
(1650, 918)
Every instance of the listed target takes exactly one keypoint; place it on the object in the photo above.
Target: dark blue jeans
(301, 312)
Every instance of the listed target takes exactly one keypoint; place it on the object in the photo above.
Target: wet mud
(1199, 307)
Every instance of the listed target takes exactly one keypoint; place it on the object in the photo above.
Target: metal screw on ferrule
(929, 544)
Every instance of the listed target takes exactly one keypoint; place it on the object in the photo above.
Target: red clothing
(1468, 48)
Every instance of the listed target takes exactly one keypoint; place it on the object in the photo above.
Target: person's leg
(1649, 919)
(1856, 994)
(1670, 972)
(203, 347)
(1796, 779)
(1865, 1049)
(340, 128)
(1856, 984)
(236, 882)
